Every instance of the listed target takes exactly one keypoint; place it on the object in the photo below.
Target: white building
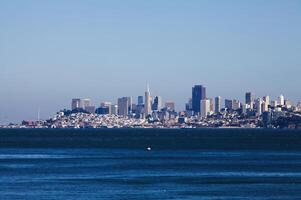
(281, 100)
(148, 102)
(205, 108)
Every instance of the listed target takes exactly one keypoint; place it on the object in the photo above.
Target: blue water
(71, 165)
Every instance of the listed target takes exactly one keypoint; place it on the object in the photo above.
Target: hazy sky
(55, 50)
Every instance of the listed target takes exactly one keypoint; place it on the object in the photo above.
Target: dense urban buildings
(152, 112)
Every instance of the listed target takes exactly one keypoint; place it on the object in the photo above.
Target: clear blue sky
(55, 50)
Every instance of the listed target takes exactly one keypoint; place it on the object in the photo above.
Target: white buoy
(149, 148)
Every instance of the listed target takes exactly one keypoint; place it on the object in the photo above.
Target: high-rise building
(235, 104)
(211, 105)
(228, 104)
(157, 105)
(205, 107)
(130, 102)
(281, 100)
(274, 104)
(198, 94)
(266, 99)
(85, 103)
(107, 106)
(148, 102)
(288, 104)
(76, 104)
(170, 105)
(218, 104)
(90, 109)
(123, 106)
(258, 104)
(249, 98)
(140, 100)
(114, 109)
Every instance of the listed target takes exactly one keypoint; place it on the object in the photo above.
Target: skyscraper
(148, 102)
(198, 94)
(205, 107)
(76, 104)
(218, 104)
(123, 106)
(228, 104)
(140, 100)
(281, 100)
(249, 98)
(259, 103)
(157, 105)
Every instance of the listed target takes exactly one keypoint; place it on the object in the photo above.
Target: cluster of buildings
(200, 111)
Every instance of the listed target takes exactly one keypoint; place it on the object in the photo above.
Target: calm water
(183, 164)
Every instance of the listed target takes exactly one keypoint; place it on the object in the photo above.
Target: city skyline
(53, 51)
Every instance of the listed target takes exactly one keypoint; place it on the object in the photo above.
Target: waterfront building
(170, 106)
(123, 106)
(198, 94)
(148, 102)
(281, 100)
(205, 107)
(218, 104)
(157, 104)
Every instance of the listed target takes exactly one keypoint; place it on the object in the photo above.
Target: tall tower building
(249, 98)
(157, 105)
(281, 100)
(218, 104)
(140, 100)
(148, 102)
(123, 106)
(76, 104)
(198, 94)
(266, 99)
(205, 107)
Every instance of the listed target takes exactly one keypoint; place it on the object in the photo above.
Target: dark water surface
(183, 164)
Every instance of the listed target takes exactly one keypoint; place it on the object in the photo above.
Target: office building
(281, 100)
(266, 99)
(249, 100)
(235, 104)
(140, 100)
(157, 104)
(228, 104)
(218, 104)
(123, 106)
(205, 107)
(148, 102)
(76, 104)
(258, 104)
(114, 109)
(198, 94)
